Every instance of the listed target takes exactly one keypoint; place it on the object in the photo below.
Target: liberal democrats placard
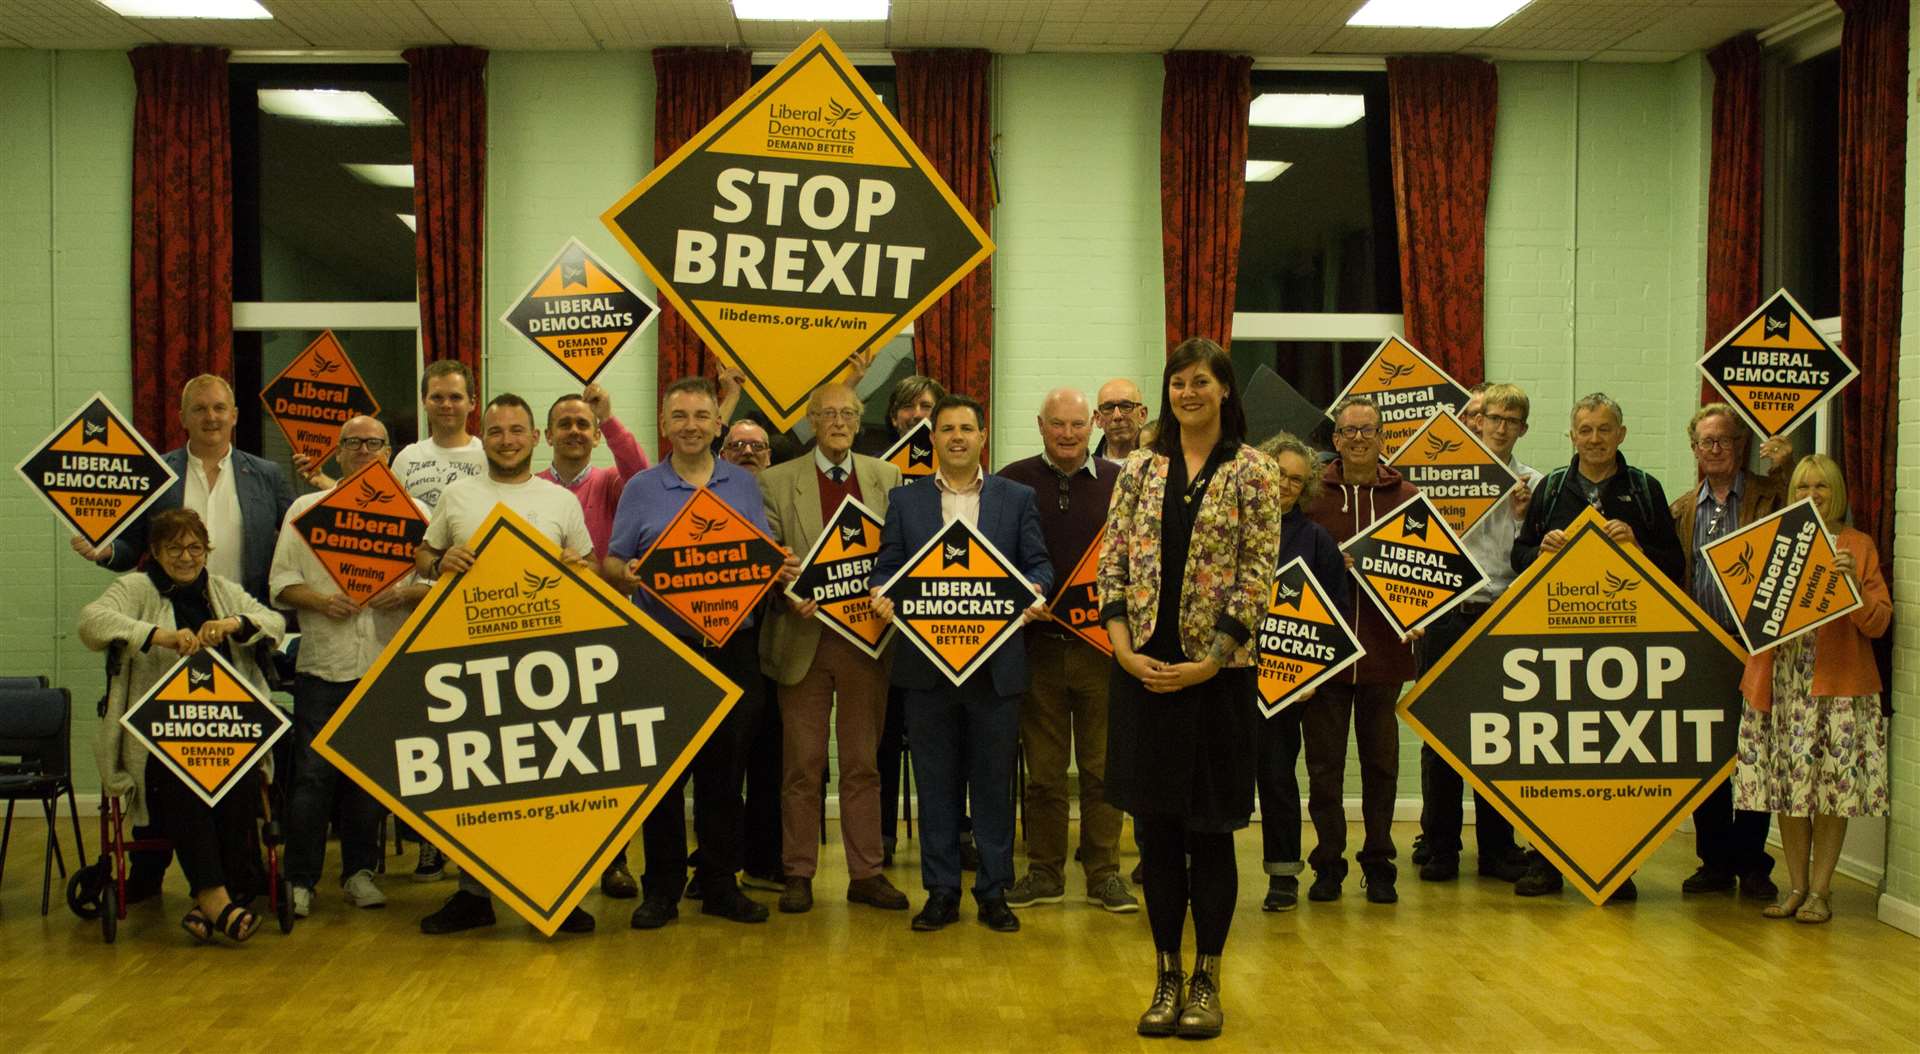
(834, 574)
(958, 600)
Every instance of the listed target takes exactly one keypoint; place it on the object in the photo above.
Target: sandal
(1815, 910)
(1785, 907)
(197, 926)
(236, 923)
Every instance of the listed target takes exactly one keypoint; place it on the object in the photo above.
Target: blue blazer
(264, 494)
(1011, 521)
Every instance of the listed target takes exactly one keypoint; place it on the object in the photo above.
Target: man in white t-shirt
(449, 452)
(508, 436)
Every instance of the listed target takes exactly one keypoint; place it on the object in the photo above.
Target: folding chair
(36, 725)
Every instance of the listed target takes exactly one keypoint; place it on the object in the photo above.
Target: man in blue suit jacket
(218, 481)
(984, 712)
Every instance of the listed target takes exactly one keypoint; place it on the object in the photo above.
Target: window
(1801, 208)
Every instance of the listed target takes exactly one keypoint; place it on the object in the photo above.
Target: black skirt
(1191, 753)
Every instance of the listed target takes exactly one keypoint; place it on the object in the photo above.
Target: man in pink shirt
(575, 424)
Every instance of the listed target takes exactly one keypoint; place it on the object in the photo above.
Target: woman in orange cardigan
(1813, 739)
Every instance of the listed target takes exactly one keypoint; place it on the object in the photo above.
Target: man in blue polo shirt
(690, 420)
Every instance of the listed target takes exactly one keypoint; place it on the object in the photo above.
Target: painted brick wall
(65, 161)
(1903, 831)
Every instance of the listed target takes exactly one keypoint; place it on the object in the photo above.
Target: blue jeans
(315, 785)
(962, 737)
(1279, 785)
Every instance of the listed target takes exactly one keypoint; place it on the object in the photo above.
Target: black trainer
(1708, 880)
(1440, 867)
(1508, 868)
(734, 906)
(1540, 880)
(1758, 885)
(1627, 893)
(655, 912)
(577, 921)
(1421, 854)
(462, 911)
(1378, 881)
(1326, 885)
(998, 917)
(1283, 893)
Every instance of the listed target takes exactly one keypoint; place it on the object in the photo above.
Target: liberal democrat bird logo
(837, 113)
(1742, 566)
(952, 554)
(702, 526)
(1393, 371)
(1779, 322)
(369, 494)
(573, 270)
(200, 680)
(535, 584)
(1285, 595)
(1413, 528)
(851, 534)
(93, 433)
(323, 365)
(1617, 585)
(1438, 446)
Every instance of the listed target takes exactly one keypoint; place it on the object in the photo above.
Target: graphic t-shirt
(426, 468)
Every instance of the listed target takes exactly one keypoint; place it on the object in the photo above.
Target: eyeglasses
(1503, 421)
(843, 413)
(372, 443)
(746, 446)
(1293, 482)
(179, 552)
(1712, 443)
(1353, 432)
(1119, 406)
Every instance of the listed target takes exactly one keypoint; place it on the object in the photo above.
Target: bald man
(1121, 413)
(1066, 705)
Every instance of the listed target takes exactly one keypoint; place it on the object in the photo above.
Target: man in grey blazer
(813, 665)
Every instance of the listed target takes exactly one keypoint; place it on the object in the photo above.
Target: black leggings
(215, 843)
(1183, 868)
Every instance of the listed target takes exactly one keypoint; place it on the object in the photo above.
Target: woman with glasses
(1192, 535)
(175, 608)
(1813, 736)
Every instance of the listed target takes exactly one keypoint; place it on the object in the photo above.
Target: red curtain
(448, 86)
(943, 105)
(1733, 191)
(1203, 168)
(1442, 112)
(691, 87)
(182, 273)
(1873, 173)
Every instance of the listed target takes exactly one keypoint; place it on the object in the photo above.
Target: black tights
(1183, 868)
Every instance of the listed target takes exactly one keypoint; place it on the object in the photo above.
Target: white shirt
(963, 503)
(219, 508)
(330, 649)
(826, 465)
(426, 468)
(550, 507)
(1490, 543)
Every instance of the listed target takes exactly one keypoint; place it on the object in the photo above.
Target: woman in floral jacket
(1191, 541)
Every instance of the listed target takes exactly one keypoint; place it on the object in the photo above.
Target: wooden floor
(1463, 966)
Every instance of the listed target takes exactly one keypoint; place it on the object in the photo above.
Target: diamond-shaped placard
(1077, 605)
(1302, 639)
(1593, 704)
(1407, 387)
(912, 453)
(317, 393)
(206, 724)
(526, 719)
(799, 228)
(364, 532)
(1776, 368)
(96, 472)
(958, 600)
(835, 574)
(580, 312)
(711, 565)
(1455, 470)
(1778, 576)
(1412, 566)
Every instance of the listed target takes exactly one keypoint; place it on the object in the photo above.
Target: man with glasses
(1356, 489)
(817, 671)
(339, 642)
(1732, 844)
(1636, 513)
(1121, 415)
(1498, 414)
(747, 445)
(1065, 711)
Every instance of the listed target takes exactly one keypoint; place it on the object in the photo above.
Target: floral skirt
(1824, 755)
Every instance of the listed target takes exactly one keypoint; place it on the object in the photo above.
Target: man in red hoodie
(1356, 490)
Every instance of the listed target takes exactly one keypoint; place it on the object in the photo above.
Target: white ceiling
(1615, 30)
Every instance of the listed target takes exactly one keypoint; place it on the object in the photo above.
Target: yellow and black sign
(1077, 605)
(1302, 640)
(96, 472)
(834, 574)
(526, 719)
(206, 724)
(1454, 469)
(364, 532)
(1775, 368)
(1594, 705)
(1412, 566)
(912, 453)
(580, 312)
(1407, 387)
(317, 393)
(1778, 577)
(711, 566)
(799, 228)
(958, 600)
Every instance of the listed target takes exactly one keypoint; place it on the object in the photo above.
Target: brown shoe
(877, 892)
(798, 897)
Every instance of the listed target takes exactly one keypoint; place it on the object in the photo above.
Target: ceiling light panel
(208, 9)
(810, 10)
(1266, 171)
(381, 175)
(1295, 110)
(1435, 14)
(325, 106)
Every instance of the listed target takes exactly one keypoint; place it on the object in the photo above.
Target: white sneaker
(302, 902)
(361, 892)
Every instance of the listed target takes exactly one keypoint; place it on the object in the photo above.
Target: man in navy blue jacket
(984, 711)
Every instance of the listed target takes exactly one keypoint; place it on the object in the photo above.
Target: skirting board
(1899, 914)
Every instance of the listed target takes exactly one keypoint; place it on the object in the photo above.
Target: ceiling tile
(1142, 25)
(1702, 26)
(1261, 27)
(626, 24)
(364, 25)
(784, 36)
(1369, 40)
(253, 33)
(55, 24)
(1005, 26)
(539, 25)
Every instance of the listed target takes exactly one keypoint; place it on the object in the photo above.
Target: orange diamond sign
(1412, 566)
(834, 574)
(958, 600)
(1077, 605)
(1776, 368)
(206, 724)
(799, 228)
(579, 312)
(912, 453)
(1454, 469)
(96, 472)
(711, 566)
(1779, 578)
(364, 532)
(317, 393)
(1407, 386)
(1594, 705)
